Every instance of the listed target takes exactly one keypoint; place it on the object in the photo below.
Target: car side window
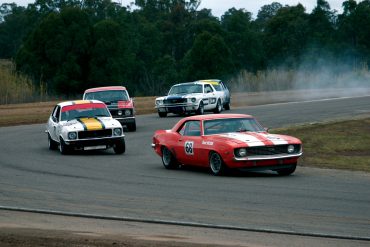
(208, 88)
(54, 113)
(190, 128)
(57, 113)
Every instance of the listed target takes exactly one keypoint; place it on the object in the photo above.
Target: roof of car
(98, 89)
(211, 81)
(77, 102)
(201, 82)
(217, 116)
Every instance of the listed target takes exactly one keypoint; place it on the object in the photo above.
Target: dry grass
(15, 87)
(287, 79)
(29, 113)
(337, 145)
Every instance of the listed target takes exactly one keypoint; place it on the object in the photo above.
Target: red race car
(222, 141)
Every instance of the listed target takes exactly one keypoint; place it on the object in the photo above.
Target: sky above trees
(219, 7)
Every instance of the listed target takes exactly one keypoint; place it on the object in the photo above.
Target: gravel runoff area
(33, 229)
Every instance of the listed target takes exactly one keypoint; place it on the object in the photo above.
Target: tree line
(70, 45)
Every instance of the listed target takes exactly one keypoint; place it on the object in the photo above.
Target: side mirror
(267, 129)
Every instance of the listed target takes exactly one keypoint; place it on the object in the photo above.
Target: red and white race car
(222, 141)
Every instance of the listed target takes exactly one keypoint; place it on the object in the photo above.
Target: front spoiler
(268, 157)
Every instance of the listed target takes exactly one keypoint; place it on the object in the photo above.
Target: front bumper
(268, 157)
(268, 162)
(98, 143)
(177, 108)
(126, 120)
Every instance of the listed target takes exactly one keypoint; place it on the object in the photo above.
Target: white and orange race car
(226, 141)
(84, 125)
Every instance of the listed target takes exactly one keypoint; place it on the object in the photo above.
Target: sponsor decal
(207, 143)
(189, 147)
(83, 106)
(77, 102)
(91, 123)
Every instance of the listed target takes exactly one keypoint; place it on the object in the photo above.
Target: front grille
(174, 101)
(94, 134)
(272, 150)
(114, 112)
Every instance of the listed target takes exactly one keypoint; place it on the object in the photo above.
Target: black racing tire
(168, 159)
(227, 106)
(200, 110)
(287, 171)
(162, 114)
(218, 108)
(53, 145)
(216, 164)
(132, 127)
(119, 147)
(63, 148)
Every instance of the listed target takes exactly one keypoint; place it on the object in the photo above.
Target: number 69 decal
(189, 148)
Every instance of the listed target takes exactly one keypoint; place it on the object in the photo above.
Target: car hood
(257, 138)
(178, 96)
(96, 123)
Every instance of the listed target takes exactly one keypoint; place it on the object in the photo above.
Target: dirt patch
(14, 237)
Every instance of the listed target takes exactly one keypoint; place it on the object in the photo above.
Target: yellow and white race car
(84, 125)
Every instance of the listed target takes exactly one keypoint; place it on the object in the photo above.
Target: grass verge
(336, 145)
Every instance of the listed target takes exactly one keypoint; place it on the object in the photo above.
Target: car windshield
(219, 126)
(186, 89)
(92, 112)
(108, 96)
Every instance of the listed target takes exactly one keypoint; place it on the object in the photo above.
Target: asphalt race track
(135, 185)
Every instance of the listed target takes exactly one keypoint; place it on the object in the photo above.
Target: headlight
(290, 149)
(117, 132)
(127, 112)
(72, 135)
(159, 102)
(193, 100)
(119, 113)
(241, 152)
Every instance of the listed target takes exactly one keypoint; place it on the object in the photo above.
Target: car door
(188, 146)
(210, 95)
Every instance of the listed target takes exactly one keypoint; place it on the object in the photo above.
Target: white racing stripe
(243, 137)
(276, 140)
(257, 139)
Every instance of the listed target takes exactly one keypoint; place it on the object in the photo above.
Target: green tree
(354, 33)
(243, 38)
(106, 65)
(286, 35)
(16, 23)
(209, 57)
(266, 13)
(57, 51)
